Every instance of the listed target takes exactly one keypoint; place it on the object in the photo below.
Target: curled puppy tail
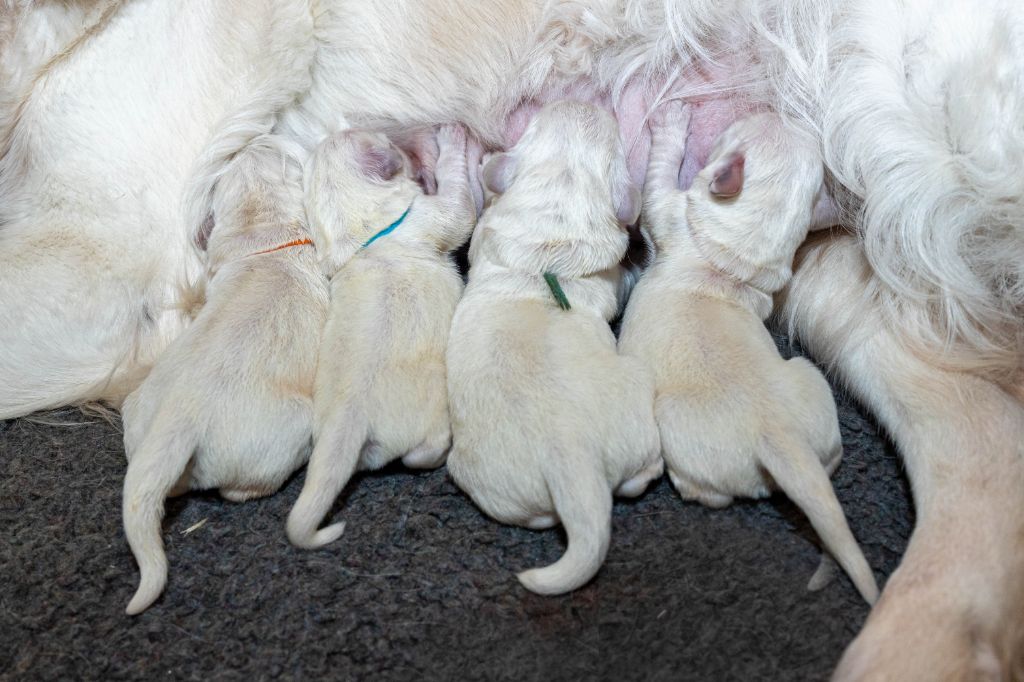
(801, 475)
(583, 502)
(152, 473)
(333, 462)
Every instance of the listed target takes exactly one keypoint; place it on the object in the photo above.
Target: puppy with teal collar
(380, 391)
(548, 421)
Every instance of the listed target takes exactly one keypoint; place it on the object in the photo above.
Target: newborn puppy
(228, 405)
(380, 388)
(735, 418)
(547, 419)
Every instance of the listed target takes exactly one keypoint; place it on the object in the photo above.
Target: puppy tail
(152, 473)
(583, 502)
(333, 462)
(800, 474)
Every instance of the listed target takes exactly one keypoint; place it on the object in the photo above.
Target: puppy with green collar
(380, 391)
(547, 419)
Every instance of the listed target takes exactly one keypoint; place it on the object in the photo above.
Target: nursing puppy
(228, 405)
(735, 418)
(547, 419)
(380, 389)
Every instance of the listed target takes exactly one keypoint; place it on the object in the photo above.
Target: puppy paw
(691, 492)
(636, 485)
(542, 522)
(426, 457)
(452, 139)
(245, 494)
(671, 117)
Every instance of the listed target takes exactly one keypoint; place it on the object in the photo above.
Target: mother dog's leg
(93, 173)
(954, 609)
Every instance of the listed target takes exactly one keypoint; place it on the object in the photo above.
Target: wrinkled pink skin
(711, 115)
(710, 118)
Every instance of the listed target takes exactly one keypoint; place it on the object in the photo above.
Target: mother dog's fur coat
(916, 104)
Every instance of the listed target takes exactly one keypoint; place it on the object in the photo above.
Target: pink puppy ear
(728, 181)
(381, 163)
(202, 235)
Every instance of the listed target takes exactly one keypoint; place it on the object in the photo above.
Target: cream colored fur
(229, 404)
(547, 420)
(952, 610)
(915, 105)
(735, 418)
(380, 387)
(99, 145)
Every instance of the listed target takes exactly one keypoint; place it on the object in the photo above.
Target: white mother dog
(916, 105)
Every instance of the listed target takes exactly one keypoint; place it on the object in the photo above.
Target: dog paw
(693, 493)
(452, 138)
(426, 457)
(671, 117)
(926, 628)
(636, 485)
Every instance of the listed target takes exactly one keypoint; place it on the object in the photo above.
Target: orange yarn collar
(295, 242)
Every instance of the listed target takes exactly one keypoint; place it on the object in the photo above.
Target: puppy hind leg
(334, 460)
(152, 473)
(948, 609)
(431, 453)
(635, 486)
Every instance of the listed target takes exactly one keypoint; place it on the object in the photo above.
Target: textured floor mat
(421, 585)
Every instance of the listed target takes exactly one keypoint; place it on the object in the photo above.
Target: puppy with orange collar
(229, 404)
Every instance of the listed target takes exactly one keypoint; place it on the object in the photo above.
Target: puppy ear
(202, 235)
(728, 177)
(498, 172)
(380, 163)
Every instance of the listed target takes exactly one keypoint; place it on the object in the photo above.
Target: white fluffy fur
(946, 613)
(380, 387)
(95, 158)
(735, 418)
(229, 404)
(547, 419)
(915, 104)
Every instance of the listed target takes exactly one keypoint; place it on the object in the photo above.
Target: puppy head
(259, 191)
(563, 197)
(357, 183)
(756, 199)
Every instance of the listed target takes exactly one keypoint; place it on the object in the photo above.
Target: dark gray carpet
(421, 585)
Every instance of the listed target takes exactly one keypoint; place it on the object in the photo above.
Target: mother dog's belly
(491, 66)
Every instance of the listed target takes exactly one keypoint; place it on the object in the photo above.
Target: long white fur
(547, 419)
(380, 387)
(229, 404)
(98, 210)
(96, 155)
(735, 418)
